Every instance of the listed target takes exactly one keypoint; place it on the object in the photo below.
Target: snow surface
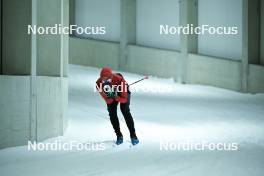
(188, 112)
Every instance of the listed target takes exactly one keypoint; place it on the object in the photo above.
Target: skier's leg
(128, 117)
(112, 109)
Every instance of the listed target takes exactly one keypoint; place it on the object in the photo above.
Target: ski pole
(146, 77)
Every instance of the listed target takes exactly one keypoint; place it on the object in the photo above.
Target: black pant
(124, 107)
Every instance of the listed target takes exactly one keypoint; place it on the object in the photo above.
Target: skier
(109, 85)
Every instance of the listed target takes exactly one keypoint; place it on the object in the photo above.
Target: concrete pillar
(245, 47)
(72, 11)
(44, 61)
(64, 39)
(48, 62)
(254, 31)
(51, 61)
(188, 15)
(262, 33)
(128, 30)
(1, 1)
(16, 41)
(64, 60)
(33, 77)
(48, 58)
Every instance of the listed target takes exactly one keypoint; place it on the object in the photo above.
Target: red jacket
(116, 80)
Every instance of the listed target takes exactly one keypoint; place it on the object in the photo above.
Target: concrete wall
(93, 53)
(16, 41)
(222, 69)
(213, 71)
(151, 61)
(223, 73)
(14, 110)
(204, 70)
(51, 117)
(150, 15)
(262, 33)
(93, 13)
(256, 79)
(64, 104)
(220, 13)
(140, 59)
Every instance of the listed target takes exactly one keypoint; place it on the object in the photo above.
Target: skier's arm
(123, 94)
(107, 100)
